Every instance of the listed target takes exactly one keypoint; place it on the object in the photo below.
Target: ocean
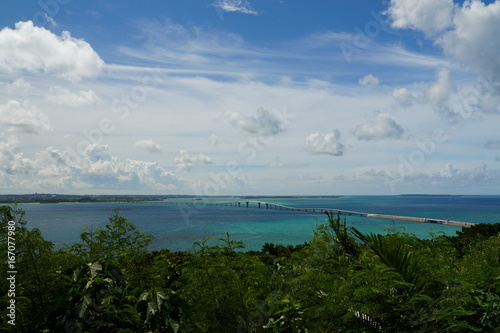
(176, 225)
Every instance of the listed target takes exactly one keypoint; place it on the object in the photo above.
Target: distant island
(435, 195)
(57, 198)
(60, 198)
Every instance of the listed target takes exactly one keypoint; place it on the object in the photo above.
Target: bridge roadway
(268, 205)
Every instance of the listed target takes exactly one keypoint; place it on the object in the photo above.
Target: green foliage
(289, 318)
(102, 300)
(342, 235)
(230, 284)
(341, 281)
(468, 237)
(392, 253)
(117, 240)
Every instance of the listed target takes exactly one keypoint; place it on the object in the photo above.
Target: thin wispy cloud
(239, 6)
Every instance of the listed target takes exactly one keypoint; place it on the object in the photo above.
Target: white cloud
(63, 96)
(441, 95)
(266, 123)
(35, 49)
(50, 20)
(213, 140)
(380, 126)
(148, 145)
(172, 43)
(473, 41)
(97, 152)
(94, 169)
(369, 80)
(276, 163)
(469, 36)
(19, 85)
(12, 160)
(329, 143)
(440, 91)
(403, 97)
(429, 16)
(186, 162)
(241, 6)
(24, 118)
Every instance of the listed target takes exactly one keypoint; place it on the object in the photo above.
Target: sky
(250, 97)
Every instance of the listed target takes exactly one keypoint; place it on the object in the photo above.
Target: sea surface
(177, 223)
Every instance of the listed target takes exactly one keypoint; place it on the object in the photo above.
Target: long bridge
(269, 205)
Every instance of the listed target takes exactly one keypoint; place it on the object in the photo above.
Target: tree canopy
(342, 280)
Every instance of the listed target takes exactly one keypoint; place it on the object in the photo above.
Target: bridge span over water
(269, 205)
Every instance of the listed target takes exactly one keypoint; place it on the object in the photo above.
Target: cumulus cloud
(329, 143)
(369, 80)
(148, 145)
(213, 140)
(468, 34)
(12, 160)
(35, 49)
(440, 91)
(403, 97)
(380, 126)
(63, 96)
(96, 152)
(429, 16)
(266, 123)
(473, 41)
(23, 117)
(241, 6)
(442, 95)
(186, 162)
(94, 169)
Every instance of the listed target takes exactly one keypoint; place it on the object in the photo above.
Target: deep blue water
(176, 227)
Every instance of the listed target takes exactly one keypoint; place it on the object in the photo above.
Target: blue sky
(235, 97)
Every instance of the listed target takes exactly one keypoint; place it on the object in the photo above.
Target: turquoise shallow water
(177, 226)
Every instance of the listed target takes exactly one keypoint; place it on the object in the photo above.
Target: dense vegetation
(341, 281)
